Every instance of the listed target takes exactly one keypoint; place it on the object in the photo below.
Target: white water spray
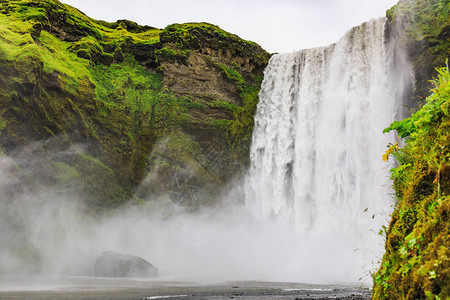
(317, 186)
(317, 143)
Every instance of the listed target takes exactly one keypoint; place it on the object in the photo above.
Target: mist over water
(50, 233)
(316, 194)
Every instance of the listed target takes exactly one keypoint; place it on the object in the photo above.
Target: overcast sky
(277, 25)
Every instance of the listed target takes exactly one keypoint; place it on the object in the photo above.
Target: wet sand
(71, 288)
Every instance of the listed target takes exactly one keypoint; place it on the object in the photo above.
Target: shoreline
(70, 288)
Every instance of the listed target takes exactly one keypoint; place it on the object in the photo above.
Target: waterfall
(317, 142)
(317, 188)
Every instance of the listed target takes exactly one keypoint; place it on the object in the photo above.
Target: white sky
(277, 25)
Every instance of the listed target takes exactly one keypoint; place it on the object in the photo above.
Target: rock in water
(110, 264)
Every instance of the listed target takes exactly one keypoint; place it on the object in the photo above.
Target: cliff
(423, 29)
(416, 262)
(119, 111)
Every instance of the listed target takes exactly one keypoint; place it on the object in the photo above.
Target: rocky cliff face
(416, 262)
(222, 74)
(423, 28)
(119, 111)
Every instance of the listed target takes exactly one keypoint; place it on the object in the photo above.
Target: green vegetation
(241, 127)
(104, 89)
(65, 173)
(426, 17)
(424, 27)
(129, 112)
(205, 35)
(55, 58)
(417, 260)
(127, 86)
(232, 75)
(172, 55)
(416, 263)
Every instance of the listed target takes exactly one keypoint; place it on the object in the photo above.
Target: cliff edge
(119, 111)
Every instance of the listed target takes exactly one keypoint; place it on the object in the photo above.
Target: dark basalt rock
(111, 264)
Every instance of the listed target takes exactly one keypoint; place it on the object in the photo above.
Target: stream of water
(316, 194)
(318, 141)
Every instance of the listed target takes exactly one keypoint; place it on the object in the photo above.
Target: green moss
(417, 260)
(2, 125)
(424, 28)
(77, 25)
(57, 58)
(101, 188)
(94, 161)
(127, 86)
(120, 35)
(50, 54)
(427, 18)
(13, 37)
(169, 54)
(205, 35)
(223, 124)
(34, 14)
(241, 127)
(65, 173)
(232, 75)
(87, 47)
(93, 82)
(184, 32)
(223, 104)
(182, 171)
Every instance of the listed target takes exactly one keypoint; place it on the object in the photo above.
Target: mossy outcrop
(125, 101)
(416, 263)
(423, 27)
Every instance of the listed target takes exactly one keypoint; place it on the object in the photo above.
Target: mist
(50, 231)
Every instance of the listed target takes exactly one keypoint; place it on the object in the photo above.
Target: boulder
(110, 264)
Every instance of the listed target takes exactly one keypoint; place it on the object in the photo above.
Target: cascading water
(316, 187)
(317, 143)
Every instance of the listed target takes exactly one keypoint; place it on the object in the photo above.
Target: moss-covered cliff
(124, 111)
(423, 28)
(417, 260)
